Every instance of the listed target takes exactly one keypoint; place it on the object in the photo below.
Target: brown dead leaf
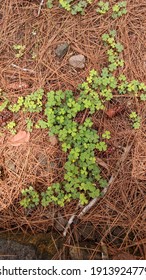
(112, 112)
(20, 138)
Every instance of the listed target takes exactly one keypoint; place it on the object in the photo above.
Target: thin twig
(111, 180)
(85, 209)
(84, 115)
(94, 200)
(40, 7)
(23, 69)
(70, 221)
(104, 251)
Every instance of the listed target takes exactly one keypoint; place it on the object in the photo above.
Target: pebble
(77, 61)
(10, 165)
(61, 50)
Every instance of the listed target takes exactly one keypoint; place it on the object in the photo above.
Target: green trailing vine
(78, 7)
(74, 7)
(78, 140)
(32, 103)
(82, 178)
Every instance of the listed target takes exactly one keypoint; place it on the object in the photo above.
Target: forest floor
(116, 224)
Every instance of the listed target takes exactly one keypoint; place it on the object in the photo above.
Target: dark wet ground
(12, 250)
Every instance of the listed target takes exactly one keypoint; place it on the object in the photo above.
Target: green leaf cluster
(106, 135)
(143, 97)
(49, 4)
(30, 198)
(18, 105)
(115, 48)
(78, 7)
(79, 141)
(135, 120)
(29, 125)
(54, 194)
(11, 127)
(119, 9)
(31, 103)
(120, 83)
(20, 49)
(135, 87)
(103, 7)
(74, 7)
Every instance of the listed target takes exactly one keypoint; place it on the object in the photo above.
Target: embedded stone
(61, 50)
(77, 61)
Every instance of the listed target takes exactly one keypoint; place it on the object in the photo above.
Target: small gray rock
(77, 61)
(42, 159)
(61, 50)
(10, 165)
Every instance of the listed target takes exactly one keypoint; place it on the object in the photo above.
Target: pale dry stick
(111, 180)
(94, 200)
(85, 209)
(40, 7)
(104, 251)
(23, 69)
(70, 221)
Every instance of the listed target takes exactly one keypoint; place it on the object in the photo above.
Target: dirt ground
(117, 222)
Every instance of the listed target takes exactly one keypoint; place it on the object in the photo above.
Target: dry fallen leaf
(112, 112)
(20, 138)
